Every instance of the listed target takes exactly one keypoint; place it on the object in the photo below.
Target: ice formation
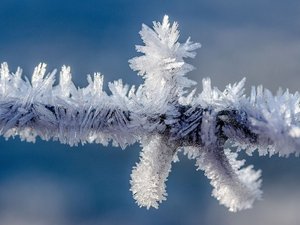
(162, 115)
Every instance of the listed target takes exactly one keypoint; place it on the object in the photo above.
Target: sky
(49, 183)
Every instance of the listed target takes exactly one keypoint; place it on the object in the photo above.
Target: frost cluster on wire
(162, 114)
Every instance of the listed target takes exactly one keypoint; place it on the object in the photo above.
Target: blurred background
(48, 183)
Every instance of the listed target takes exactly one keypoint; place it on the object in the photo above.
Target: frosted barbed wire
(161, 115)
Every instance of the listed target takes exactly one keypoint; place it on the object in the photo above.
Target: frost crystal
(161, 115)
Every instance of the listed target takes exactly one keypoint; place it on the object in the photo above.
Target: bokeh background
(48, 183)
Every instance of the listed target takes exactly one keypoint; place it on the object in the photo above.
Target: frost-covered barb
(162, 115)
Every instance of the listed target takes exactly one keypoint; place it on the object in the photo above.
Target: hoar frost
(161, 114)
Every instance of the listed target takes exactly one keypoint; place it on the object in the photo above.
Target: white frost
(162, 114)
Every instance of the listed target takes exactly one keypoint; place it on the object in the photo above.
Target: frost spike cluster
(161, 114)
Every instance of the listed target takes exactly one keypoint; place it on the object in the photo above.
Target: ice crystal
(161, 114)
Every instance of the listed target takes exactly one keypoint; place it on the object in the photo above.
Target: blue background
(50, 183)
